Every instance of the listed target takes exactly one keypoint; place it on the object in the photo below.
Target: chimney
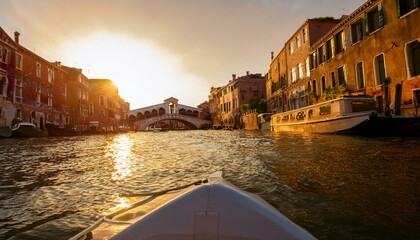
(17, 37)
(247, 73)
(272, 56)
(233, 77)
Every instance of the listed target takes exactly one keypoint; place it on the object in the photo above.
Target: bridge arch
(169, 110)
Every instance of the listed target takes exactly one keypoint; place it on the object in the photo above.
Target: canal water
(336, 187)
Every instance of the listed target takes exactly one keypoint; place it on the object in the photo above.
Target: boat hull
(389, 126)
(57, 131)
(5, 131)
(213, 210)
(340, 124)
(28, 131)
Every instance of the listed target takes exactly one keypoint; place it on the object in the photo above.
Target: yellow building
(374, 51)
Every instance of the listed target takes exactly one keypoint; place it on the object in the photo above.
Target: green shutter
(398, 8)
(380, 15)
(367, 23)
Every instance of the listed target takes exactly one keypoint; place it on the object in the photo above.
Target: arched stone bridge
(142, 118)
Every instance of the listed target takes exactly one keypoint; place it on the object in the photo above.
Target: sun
(139, 68)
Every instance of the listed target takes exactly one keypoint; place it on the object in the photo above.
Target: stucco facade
(32, 89)
(290, 69)
(233, 95)
(373, 51)
(380, 53)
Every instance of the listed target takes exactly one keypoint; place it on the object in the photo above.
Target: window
(297, 42)
(328, 49)
(413, 58)
(50, 75)
(38, 94)
(406, 6)
(243, 89)
(64, 90)
(290, 48)
(91, 109)
(339, 42)
(341, 76)
(300, 67)
(333, 79)
(101, 101)
(305, 36)
(50, 99)
(314, 60)
(360, 80)
(38, 69)
(4, 55)
(18, 89)
(323, 84)
(374, 19)
(308, 70)
(356, 31)
(314, 88)
(19, 61)
(293, 75)
(380, 73)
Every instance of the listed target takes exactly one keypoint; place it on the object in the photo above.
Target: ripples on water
(337, 187)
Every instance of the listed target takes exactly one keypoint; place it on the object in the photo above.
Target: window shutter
(380, 15)
(367, 23)
(345, 74)
(398, 8)
(416, 3)
(351, 33)
(343, 40)
(333, 47)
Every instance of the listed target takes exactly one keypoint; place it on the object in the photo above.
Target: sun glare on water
(136, 66)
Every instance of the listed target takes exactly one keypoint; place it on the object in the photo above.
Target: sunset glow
(134, 65)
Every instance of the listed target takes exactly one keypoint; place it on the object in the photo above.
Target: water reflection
(119, 150)
(337, 187)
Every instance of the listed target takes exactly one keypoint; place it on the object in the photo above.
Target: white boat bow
(213, 210)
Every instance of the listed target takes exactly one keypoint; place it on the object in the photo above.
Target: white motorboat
(210, 209)
(339, 115)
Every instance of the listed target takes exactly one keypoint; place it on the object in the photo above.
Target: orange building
(77, 99)
(109, 110)
(290, 69)
(8, 50)
(35, 89)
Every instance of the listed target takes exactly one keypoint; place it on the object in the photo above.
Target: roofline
(344, 21)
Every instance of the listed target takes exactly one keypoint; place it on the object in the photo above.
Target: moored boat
(5, 131)
(210, 209)
(339, 115)
(264, 120)
(55, 130)
(25, 129)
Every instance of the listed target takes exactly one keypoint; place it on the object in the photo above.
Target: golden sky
(156, 49)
